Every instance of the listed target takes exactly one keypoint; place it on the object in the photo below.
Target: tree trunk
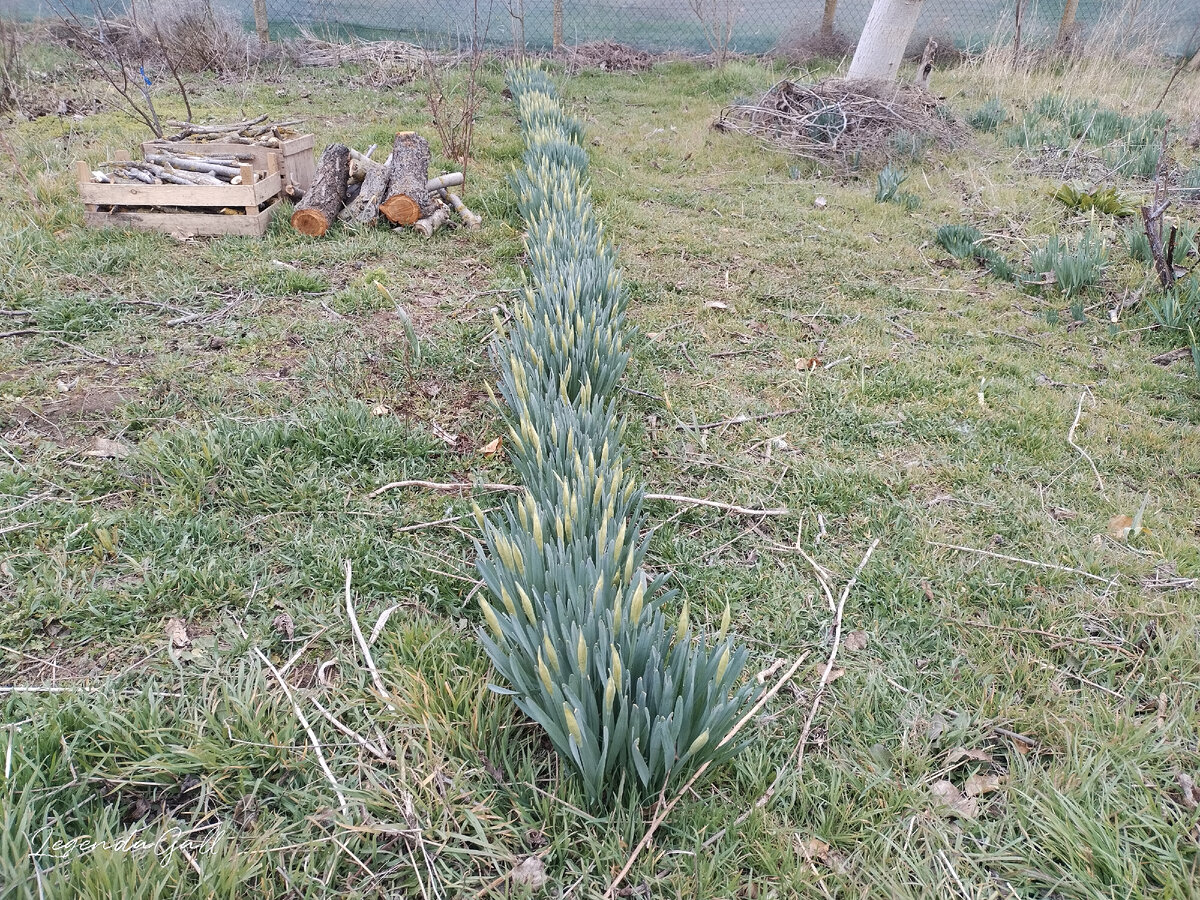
(558, 24)
(364, 210)
(325, 196)
(260, 21)
(1066, 27)
(408, 196)
(828, 17)
(881, 48)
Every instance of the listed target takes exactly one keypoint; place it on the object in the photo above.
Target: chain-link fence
(754, 26)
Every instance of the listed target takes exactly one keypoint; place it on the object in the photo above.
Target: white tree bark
(881, 48)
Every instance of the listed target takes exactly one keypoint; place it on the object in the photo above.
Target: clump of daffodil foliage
(575, 625)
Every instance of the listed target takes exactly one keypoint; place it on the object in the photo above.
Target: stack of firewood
(174, 168)
(352, 187)
(256, 131)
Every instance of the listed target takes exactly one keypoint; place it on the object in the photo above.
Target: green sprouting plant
(996, 264)
(1178, 310)
(909, 145)
(1074, 270)
(1191, 181)
(1050, 106)
(576, 626)
(960, 241)
(1105, 199)
(1134, 161)
(888, 183)
(966, 242)
(988, 117)
(1138, 244)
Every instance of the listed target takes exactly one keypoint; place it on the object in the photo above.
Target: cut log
(469, 218)
(364, 210)
(326, 195)
(408, 199)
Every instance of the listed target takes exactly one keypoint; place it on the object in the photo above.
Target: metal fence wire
(754, 26)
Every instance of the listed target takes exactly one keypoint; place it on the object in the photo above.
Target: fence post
(260, 21)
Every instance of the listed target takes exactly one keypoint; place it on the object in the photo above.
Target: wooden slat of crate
(241, 195)
(294, 156)
(187, 223)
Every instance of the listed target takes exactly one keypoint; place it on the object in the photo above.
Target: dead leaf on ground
(491, 448)
(530, 872)
(958, 754)
(814, 850)
(834, 674)
(176, 632)
(379, 410)
(855, 641)
(1061, 514)
(950, 801)
(717, 304)
(284, 625)
(936, 727)
(1119, 527)
(1189, 789)
(807, 364)
(978, 785)
(927, 591)
(107, 449)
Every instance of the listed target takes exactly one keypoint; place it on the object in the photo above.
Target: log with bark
(326, 195)
(364, 210)
(408, 198)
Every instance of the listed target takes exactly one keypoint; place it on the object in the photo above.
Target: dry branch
(470, 219)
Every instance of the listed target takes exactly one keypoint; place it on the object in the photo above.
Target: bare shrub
(181, 35)
(800, 47)
(454, 94)
(717, 18)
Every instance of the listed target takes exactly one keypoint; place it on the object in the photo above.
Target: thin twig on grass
(362, 643)
(739, 420)
(1082, 452)
(837, 642)
(666, 811)
(1028, 562)
(312, 735)
(451, 486)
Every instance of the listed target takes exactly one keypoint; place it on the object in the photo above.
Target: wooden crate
(201, 204)
(293, 158)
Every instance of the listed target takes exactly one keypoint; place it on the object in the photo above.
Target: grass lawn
(995, 728)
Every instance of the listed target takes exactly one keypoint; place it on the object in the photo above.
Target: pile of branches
(311, 50)
(175, 168)
(257, 131)
(841, 122)
(181, 36)
(576, 625)
(607, 56)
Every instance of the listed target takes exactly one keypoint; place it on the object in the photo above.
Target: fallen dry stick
(491, 486)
